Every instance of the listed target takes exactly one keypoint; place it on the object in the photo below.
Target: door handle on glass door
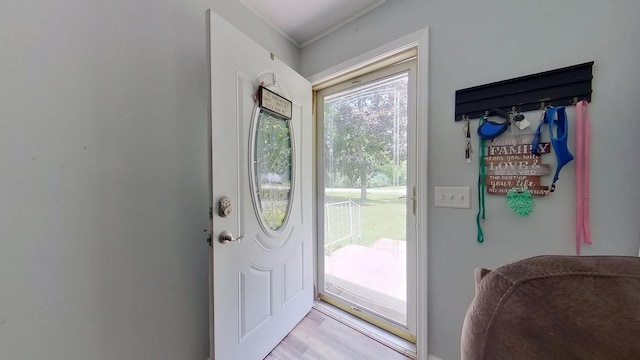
(227, 237)
(413, 198)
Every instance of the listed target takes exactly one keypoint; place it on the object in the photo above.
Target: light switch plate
(453, 197)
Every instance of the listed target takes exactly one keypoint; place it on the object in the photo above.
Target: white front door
(261, 280)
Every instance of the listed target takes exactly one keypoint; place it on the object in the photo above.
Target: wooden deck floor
(320, 337)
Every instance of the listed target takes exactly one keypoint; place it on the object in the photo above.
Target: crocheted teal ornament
(520, 201)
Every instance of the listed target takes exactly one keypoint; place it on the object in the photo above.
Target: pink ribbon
(583, 141)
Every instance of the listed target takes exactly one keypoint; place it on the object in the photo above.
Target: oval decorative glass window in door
(272, 168)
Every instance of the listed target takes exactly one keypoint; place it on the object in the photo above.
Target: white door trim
(419, 39)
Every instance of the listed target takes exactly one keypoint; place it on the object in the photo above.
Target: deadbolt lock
(224, 206)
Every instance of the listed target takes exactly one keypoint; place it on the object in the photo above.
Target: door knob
(227, 237)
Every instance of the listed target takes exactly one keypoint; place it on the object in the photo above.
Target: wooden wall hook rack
(560, 87)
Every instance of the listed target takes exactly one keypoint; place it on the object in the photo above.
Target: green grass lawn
(382, 215)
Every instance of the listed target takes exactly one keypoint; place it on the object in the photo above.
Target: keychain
(467, 133)
(521, 121)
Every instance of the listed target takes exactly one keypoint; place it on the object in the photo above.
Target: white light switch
(453, 197)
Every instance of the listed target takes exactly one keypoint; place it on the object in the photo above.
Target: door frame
(402, 64)
(419, 40)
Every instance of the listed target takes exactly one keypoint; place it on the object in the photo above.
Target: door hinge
(209, 231)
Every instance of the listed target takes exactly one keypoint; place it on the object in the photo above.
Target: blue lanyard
(555, 116)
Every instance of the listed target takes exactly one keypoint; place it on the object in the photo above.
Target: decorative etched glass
(273, 163)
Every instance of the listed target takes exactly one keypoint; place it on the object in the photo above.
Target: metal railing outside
(342, 225)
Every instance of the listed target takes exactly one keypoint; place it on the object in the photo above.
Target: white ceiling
(304, 21)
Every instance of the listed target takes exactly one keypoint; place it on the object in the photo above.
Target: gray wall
(475, 42)
(103, 168)
(103, 176)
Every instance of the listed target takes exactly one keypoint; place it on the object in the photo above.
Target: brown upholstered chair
(556, 307)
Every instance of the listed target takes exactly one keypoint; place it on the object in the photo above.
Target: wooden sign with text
(501, 184)
(268, 100)
(509, 163)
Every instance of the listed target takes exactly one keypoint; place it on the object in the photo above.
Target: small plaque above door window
(270, 101)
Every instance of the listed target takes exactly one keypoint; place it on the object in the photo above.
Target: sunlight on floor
(373, 275)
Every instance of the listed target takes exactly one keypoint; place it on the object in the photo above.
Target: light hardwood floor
(320, 337)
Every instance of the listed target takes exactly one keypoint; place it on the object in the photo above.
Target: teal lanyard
(481, 187)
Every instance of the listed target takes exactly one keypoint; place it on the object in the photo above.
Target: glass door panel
(367, 197)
